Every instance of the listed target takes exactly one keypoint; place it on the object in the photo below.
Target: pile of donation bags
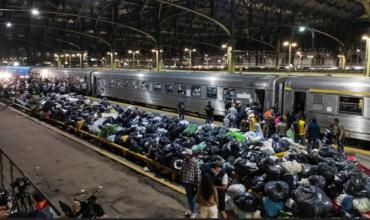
(268, 177)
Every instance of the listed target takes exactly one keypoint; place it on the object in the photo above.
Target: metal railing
(10, 172)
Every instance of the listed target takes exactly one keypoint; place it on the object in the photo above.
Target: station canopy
(41, 28)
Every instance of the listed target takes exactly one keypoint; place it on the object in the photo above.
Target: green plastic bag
(199, 147)
(237, 135)
(190, 130)
(110, 129)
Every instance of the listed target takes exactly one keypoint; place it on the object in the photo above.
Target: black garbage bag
(314, 158)
(225, 151)
(264, 164)
(188, 142)
(300, 157)
(228, 167)
(345, 165)
(355, 184)
(327, 151)
(333, 190)
(258, 183)
(327, 171)
(275, 172)
(279, 146)
(291, 179)
(247, 202)
(243, 167)
(277, 190)
(311, 202)
(342, 176)
(307, 170)
(317, 180)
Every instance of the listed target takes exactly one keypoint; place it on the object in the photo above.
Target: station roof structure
(98, 26)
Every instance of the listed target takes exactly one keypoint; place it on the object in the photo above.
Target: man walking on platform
(209, 113)
(190, 174)
(181, 110)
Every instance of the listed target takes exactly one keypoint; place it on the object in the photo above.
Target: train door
(281, 96)
(260, 97)
(299, 102)
(94, 85)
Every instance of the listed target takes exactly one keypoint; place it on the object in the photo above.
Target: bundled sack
(249, 215)
(258, 183)
(357, 185)
(236, 190)
(311, 202)
(345, 202)
(291, 179)
(237, 135)
(362, 204)
(272, 208)
(277, 190)
(243, 167)
(327, 171)
(317, 180)
(292, 167)
(247, 202)
(199, 147)
(190, 130)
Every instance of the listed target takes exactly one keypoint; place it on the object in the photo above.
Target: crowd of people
(303, 130)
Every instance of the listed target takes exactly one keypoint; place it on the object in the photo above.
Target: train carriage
(166, 89)
(326, 98)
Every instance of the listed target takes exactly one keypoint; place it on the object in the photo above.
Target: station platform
(65, 169)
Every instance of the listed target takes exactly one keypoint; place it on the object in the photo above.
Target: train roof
(247, 80)
(354, 84)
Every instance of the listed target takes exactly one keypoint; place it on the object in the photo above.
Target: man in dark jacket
(313, 131)
(181, 110)
(209, 113)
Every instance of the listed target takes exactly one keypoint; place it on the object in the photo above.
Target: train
(323, 97)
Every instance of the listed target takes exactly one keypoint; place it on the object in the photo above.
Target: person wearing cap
(190, 174)
(220, 180)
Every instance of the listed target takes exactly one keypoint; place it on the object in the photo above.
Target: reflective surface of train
(325, 98)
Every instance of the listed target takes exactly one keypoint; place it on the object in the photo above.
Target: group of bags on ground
(320, 183)
(274, 177)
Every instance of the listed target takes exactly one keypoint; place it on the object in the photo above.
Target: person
(42, 208)
(281, 127)
(339, 134)
(232, 116)
(220, 179)
(207, 197)
(313, 132)
(209, 113)
(328, 136)
(277, 119)
(190, 174)
(181, 110)
(301, 130)
(252, 122)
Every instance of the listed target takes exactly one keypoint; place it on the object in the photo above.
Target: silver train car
(324, 98)
(167, 89)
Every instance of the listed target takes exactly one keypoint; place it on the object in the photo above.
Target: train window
(317, 102)
(146, 85)
(119, 83)
(169, 88)
(195, 91)
(127, 84)
(229, 93)
(135, 84)
(351, 105)
(111, 83)
(157, 87)
(212, 92)
(181, 90)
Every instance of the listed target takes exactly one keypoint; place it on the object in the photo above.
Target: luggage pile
(272, 178)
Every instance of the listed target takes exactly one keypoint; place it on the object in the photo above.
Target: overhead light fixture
(8, 24)
(35, 12)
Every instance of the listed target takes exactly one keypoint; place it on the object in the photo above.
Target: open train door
(299, 104)
(260, 97)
